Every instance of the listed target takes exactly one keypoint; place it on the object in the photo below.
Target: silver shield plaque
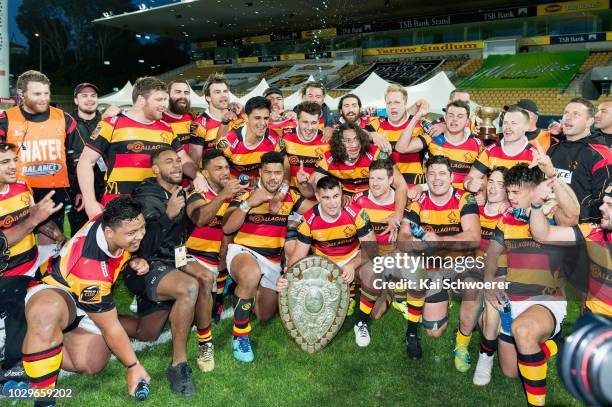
(314, 304)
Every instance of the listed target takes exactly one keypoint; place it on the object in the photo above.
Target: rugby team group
(176, 202)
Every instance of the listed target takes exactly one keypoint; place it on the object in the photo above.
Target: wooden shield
(314, 305)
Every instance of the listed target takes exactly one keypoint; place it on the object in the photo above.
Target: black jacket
(163, 234)
(84, 129)
(587, 163)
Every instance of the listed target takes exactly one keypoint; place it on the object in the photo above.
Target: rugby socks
(488, 346)
(242, 315)
(415, 310)
(533, 372)
(461, 339)
(367, 299)
(221, 280)
(204, 335)
(399, 295)
(43, 367)
(550, 348)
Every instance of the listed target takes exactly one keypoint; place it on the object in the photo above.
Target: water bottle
(417, 230)
(505, 315)
(142, 390)
(243, 179)
(439, 140)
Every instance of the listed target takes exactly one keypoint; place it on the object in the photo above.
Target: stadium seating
(199, 74)
(274, 71)
(600, 58)
(469, 67)
(550, 101)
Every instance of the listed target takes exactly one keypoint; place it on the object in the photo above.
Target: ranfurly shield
(314, 305)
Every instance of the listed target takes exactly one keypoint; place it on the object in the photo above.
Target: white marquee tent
(121, 98)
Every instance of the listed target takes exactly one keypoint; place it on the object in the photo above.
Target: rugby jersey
(354, 178)
(205, 241)
(14, 209)
(242, 158)
(86, 269)
(597, 240)
(265, 232)
(443, 220)
(531, 268)
(279, 127)
(127, 146)
(337, 240)
(410, 165)
(181, 126)
(377, 214)
(487, 228)
(309, 152)
(494, 156)
(205, 128)
(461, 155)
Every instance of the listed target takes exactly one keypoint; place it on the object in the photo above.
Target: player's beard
(33, 107)
(179, 109)
(87, 111)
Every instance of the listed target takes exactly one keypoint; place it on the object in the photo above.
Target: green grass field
(341, 374)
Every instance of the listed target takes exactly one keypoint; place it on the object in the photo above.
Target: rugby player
(438, 127)
(44, 136)
(19, 218)
(603, 120)
(254, 258)
(179, 115)
(398, 122)
(335, 232)
(280, 119)
(513, 149)
(127, 157)
(450, 218)
(349, 107)
(533, 291)
(71, 316)
(541, 137)
(349, 159)
(595, 237)
(461, 148)
(221, 117)
(207, 244)
(379, 203)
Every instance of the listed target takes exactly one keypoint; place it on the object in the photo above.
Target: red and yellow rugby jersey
(309, 152)
(494, 156)
(377, 214)
(14, 209)
(410, 165)
(597, 240)
(337, 240)
(487, 228)
(531, 268)
(181, 126)
(245, 159)
(279, 127)
(205, 128)
(445, 219)
(461, 155)
(127, 146)
(265, 232)
(205, 241)
(86, 269)
(355, 177)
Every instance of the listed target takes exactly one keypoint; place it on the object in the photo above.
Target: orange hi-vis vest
(42, 152)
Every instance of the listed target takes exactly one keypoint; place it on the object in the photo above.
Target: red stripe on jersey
(132, 160)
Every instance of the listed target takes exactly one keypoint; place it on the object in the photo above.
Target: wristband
(132, 365)
(245, 207)
(536, 207)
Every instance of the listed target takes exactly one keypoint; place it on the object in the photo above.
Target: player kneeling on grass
(174, 286)
(71, 315)
(254, 258)
(335, 232)
(533, 303)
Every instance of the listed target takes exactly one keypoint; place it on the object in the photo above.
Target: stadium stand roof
(226, 19)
